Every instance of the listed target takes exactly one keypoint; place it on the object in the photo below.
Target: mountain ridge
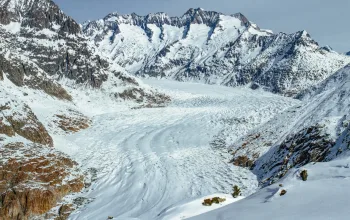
(73, 87)
(48, 46)
(210, 47)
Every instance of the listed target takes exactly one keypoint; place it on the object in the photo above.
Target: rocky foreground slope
(214, 48)
(44, 56)
(33, 175)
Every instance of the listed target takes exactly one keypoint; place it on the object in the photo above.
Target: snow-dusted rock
(210, 47)
(41, 46)
(304, 133)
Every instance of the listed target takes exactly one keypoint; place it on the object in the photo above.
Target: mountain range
(54, 72)
(209, 47)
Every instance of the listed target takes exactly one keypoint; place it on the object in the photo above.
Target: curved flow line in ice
(150, 159)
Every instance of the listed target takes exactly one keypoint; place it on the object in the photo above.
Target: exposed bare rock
(17, 117)
(33, 178)
(243, 161)
(72, 122)
(64, 212)
(26, 73)
(41, 46)
(140, 96)
(5, 127)
(312, 144)
(39, 14)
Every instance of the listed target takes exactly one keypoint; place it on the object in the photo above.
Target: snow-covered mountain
(81, 137)
(210, 47)
(41, 47)
(44, 57)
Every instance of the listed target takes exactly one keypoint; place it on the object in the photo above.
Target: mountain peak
(193, 11)
(243, 18)
(200, 16)
(38, 14)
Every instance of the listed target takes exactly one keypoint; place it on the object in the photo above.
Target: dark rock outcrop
(39, 14)
(311, 144)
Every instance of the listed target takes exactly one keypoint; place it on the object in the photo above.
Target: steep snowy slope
(323, 196)
(300, 135)
(210, 47)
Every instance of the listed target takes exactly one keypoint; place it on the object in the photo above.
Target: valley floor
(150, 160)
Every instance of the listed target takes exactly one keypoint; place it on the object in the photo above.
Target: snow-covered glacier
(144, 117)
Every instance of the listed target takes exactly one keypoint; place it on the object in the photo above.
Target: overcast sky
(327, 21)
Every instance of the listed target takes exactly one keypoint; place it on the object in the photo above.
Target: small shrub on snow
(304, 175)
(236, 191)
(207, 202)
(283, 192)
(216, 200)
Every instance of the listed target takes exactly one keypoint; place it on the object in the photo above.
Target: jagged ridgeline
(40, 45)
(214, 48)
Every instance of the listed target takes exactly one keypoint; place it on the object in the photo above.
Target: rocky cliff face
(214, 48)
(39, 46)
(311, 144)
(33, 178)
(40, 14)
(41, 42)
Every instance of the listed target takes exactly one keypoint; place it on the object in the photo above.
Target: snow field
(324, 196)
(149, 160)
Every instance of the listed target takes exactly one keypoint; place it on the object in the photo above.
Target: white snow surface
(13, 27)
(158, 163)
(150, 161)
(324, 196)
(195, 207)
